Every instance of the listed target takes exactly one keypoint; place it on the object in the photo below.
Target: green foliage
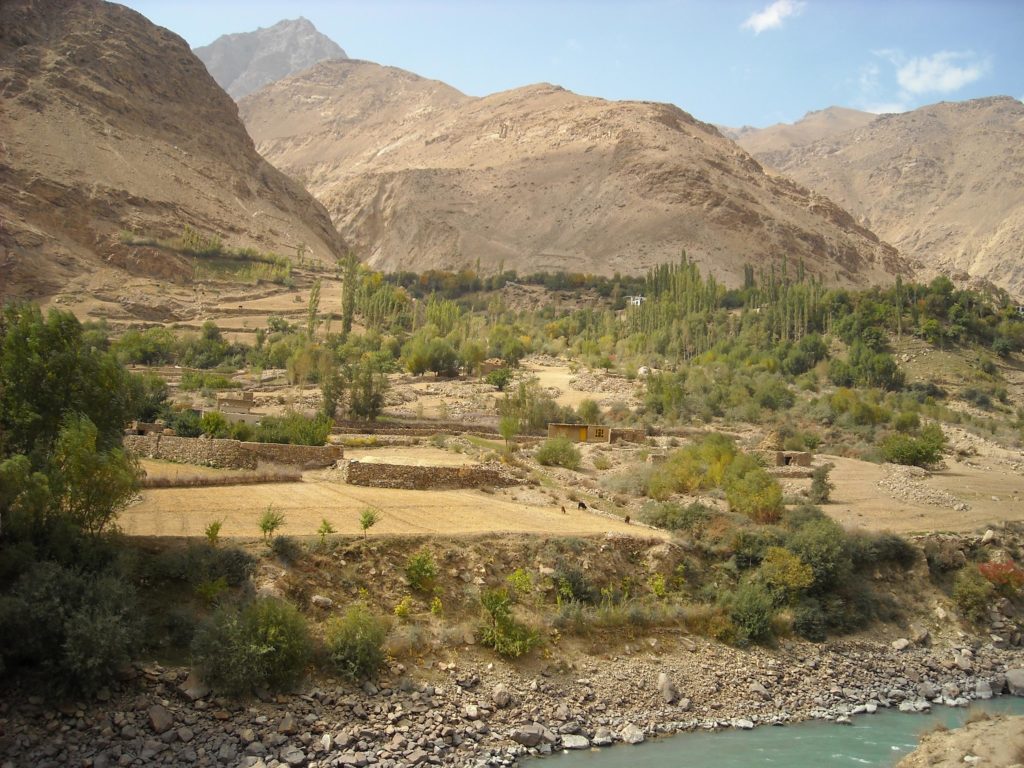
(421, 571)
(520, 581)
(47, 373)
(403, 608)
(499, 378)
(264, 644)
(293, 428)
(91, 485)
(657, 585)
(972, 593)
(71, 628)
(214, 424)
(533, 407)
(325, 530)
(367, 388)
(917, 451)
(368, 518)
(270, 521)
(211, 590)
(195, 380)
(212, 532)
(821, 487)
(751, 491)
(500, 629)
(436, 607)
(692, 518)
(785, 574)
(508, 427)
(355, 642)
(332, 390)
(589, 411)
(559, 451)
(751, 609)
(699, 466)
(287, 549)
(821, 544)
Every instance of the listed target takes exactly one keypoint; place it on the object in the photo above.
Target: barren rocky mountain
(417, 175)
(942, 183)
(244, 62)
(109, 124)
(813, 126)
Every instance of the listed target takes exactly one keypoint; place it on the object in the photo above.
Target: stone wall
(425, 478)
(230, 454)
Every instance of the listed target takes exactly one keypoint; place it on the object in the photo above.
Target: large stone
(743, 724)
(532, 735)
(602, 737)
(667, 688)
(194, 688)
(573, 741)
(321, 601)
(631, 734)
(416, 757)
(501, 696)
(287, 725)
(983, 690)
(293, 755)
(1015, 681)
(900, 645)
(160, 719)
(759, 690)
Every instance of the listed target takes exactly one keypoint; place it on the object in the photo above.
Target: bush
(821, 486)
(751, 491)
(421, 570)
(785, 573)
(751, 609)
(286, 548)
(559, 451)
(915, 451)
(822, 545)
(500, 630)
(265, 644)
(693, 518)
(972, 593)
(355, 642)
(1007, 578)
(809, 620)
(868, 549)
(72, 628)
(293, 428)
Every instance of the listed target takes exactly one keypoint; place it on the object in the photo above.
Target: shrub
(214, 424)
(822, 545)
(572, 585)
(293, 428)
(264, 644)
(972, 593)
(868, 549)
(421, 570)
(751, 609)
(1007, 578)
(809, 620)
(693, 518)
(500, 630)
(559, 451)
(72, 628)
(499, 378)
(212, 532)
(785, 573)
(355, 642)
(916, 451)
(751, 491)
(602, 462)
(821, 486)
(270, 521)
(368, 518)
(286, 548)
(521, 583)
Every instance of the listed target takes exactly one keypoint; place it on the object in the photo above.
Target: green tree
(313, 310)
(332, 390)
(214, 424)
(589, 411)
(355, 642)
(350, 285)
(368, 518)
(509, 428)
(367, 387)
(270, 521)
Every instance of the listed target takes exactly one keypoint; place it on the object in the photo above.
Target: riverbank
(473, 711)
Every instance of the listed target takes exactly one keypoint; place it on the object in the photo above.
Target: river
(876, 741)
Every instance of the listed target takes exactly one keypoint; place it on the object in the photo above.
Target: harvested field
(416, 456)
(187, 511)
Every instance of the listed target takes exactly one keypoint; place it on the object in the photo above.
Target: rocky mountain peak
(244, 62)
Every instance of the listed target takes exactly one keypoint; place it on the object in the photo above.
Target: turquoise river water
(877, 741)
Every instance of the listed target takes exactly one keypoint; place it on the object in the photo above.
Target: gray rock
(501, 696)
(631, 734)
(602, 737)
(194, 688)
(900, 645)
(417, 756)
(293, 755)
(927, 690)
(160, 719)
(185, 734)
(320, 601)
(983, 690)
(759, 690)
(743, 724)
(667, 688)
(287, 726)
(532, 735)
(1015, 681)
(575, 741)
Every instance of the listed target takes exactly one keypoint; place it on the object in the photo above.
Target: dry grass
(198, 480)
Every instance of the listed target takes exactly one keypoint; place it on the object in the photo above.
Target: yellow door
(583, 434)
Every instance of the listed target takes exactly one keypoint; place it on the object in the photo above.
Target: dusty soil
(417, 456)
(187, 511)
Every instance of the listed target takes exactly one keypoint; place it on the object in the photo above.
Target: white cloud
(886, 107)
(773, 15)
(941, 72)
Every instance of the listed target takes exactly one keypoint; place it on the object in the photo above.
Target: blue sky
(730, 62)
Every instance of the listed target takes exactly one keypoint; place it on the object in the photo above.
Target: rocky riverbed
(478, 713)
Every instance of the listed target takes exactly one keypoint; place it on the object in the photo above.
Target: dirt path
(187, 511)
(993, 495)
(418, 456)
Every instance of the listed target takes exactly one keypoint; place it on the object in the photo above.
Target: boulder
(667, 688)
(631, 734)
(287, 726)
(1015, 681)
(602, 737)
(194, 688)
(320, 601)
(759, 690)
(573, 741)
(983, 690)
(293, 755)
(900, 645)
(501, 696)
(743, 724)
(532, 735)
(160, 720)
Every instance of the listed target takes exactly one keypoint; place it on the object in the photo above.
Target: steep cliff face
(110, 124)
(244, 62)
(417, 175)
(942, 183)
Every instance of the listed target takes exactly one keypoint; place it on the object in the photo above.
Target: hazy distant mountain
(109, 124)
(243, 62)
(943, 183)
(418, 175)
(812, 127)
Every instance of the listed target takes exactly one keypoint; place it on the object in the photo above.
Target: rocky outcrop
(418, 175)
(244, 62)
(115, 137)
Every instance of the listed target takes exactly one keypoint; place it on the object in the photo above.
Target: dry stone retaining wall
(230, 454)
(425, 478)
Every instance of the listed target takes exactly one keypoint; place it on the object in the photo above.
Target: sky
(729, 62)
